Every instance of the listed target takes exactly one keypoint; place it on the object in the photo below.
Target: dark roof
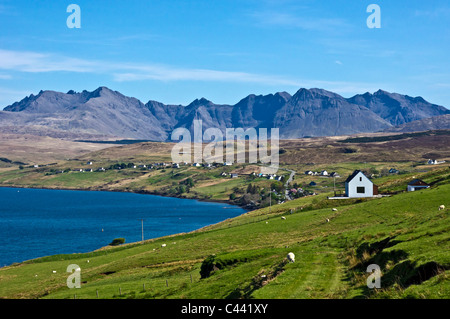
(418, 182)
(352, 176)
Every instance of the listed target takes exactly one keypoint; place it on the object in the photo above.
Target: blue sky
(176, 51)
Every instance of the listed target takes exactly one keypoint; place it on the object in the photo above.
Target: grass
(405, 234)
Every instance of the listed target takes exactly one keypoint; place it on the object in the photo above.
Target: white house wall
(360, 180)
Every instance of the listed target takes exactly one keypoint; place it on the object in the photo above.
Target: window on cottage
(360, 190)
(360, 179)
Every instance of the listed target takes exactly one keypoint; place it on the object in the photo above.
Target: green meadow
(405, 234)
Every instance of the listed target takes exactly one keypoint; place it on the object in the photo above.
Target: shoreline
(130, 243)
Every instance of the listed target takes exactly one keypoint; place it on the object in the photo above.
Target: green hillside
(405, 234)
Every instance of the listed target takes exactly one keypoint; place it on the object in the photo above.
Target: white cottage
(416, 185)
(358, 185)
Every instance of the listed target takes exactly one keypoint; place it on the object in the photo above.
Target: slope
(406, 235)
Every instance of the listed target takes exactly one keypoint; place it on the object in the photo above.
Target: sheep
(334, 209)
(291, 257)
(441, 207)
(283, 218)
(163, 245)
(328, 220)
(54, 271)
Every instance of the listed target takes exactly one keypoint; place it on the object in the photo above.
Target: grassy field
(405, 234)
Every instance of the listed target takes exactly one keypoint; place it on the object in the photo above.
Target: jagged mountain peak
(309, 112)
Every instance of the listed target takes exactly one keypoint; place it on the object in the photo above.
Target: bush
(117, 241)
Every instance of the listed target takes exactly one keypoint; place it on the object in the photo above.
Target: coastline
(126, 244)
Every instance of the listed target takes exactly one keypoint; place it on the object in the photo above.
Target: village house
(358, 185)
(417, 184)
(324, 173)
(234, 175)
(334, 174)
(434, 162)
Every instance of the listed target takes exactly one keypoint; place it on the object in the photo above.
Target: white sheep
(54, 271)
(334, 209)
(441, 207)
(291, 257)
(283, 218)
(328, 220)
(163, 245)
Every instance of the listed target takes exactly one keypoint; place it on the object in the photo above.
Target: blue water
(36, 222)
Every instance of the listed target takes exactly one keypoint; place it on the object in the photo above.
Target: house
(176, 165)
(312, 184)
(279, 178)
(227, 164)
(88, 163)
(35, 166)
(101, 169)
(393, 171)
(358, 185)
(224, 174)
(417, 184)
(309, 173)
(270, 176)
(334, 174)
(88, 170)
(196, 164)
(234, 175)
(324, 173)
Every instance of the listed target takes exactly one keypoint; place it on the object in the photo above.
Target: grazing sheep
(441, 207)
(334, 209)
(291, 257)
(282, 217)
(328, 220)
(163, 245)
(54, 271)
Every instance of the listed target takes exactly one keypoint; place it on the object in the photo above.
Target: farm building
(358, 185)
(416, 185)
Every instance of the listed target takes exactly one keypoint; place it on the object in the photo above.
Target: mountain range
(104, 113)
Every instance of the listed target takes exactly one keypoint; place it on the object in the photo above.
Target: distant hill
(104, 113)
(441, 122)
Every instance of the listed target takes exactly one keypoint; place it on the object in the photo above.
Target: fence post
(97, 293)
(167, 284)
(191, 278)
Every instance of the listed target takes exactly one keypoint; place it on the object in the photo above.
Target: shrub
(117, 241)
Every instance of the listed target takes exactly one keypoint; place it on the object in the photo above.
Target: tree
(189, 182)
(117, 241)
(277, 186)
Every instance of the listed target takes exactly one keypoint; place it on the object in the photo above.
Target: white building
(416, 185)
(358, 185)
